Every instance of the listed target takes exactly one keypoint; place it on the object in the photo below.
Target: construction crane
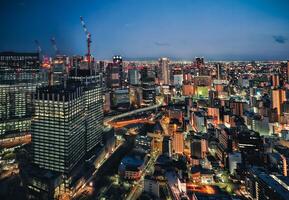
(39, 50)
(53, 42)
(88, 40)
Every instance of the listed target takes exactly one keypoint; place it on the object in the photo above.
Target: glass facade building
(20, 75)
(58, 127)
(94, 113)
(93, 107)
(67, 122)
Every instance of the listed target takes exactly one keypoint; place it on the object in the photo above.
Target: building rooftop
(280, 184)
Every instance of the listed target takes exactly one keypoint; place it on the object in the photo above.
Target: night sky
(180, 29)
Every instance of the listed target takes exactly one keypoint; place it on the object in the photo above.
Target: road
(81, 189)
(18, 140)
(120, 124)
(107, 120)
(137, 188)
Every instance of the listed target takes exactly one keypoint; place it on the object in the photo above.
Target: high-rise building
(278, 97)
(94, 112)
(147, 72)
(67, 122)
(117, 59)
(177, 76)
(275, 80)
(58, 127)
(120, 98)
(20, 75)
(164, 71)
(115, 74)
(199, 61)
(219, 72)
(134, 76)
(19, 61)
(200, 64)
(148, 91)
(93, 101)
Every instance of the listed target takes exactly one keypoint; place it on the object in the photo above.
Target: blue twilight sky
(181, 29)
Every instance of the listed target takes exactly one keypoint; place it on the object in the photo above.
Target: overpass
(107, 120)
(14, 141)
(120, 124)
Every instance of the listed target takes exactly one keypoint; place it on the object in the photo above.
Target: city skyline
(223, 30)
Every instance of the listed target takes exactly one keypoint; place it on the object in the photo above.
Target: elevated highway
(108, 120)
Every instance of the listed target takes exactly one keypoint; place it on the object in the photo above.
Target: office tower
(148, 91)
(219, 72)
(100, 67)
(199, 61)
(113, 79)
(177, 76)
(20, 75)
(60, 64)
(147, 72)
(117, 59)
(93, 102)
(75, 62)
(164, 71)
(200, 64)
(94, 115)
(278, 97)
(58, 127)
(120, 98)
(114, 73)
(19, 61)
(275, 80)
(134, 76)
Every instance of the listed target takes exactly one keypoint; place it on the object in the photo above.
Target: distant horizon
(155, 58)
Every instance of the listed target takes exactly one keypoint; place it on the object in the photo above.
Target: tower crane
(53, 42)
(39, 50)
(88, 40)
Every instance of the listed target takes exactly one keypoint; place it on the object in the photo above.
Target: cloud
(279, 39)
(162, 44)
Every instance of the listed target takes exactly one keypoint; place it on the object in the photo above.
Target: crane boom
(53, 42)
(39, 50)
(88, 40)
